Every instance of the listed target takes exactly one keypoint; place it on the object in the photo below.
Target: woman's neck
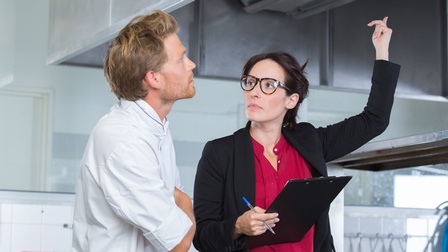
(266, 136)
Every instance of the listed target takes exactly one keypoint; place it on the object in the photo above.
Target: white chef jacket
(124, 194)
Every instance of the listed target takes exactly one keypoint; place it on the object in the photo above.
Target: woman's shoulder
(230, 140)
(241, 133)
(222, 140)
(303, 127)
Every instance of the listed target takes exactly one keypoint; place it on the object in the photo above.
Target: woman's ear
(292, 101)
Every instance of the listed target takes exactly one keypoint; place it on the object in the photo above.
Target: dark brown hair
(137, 49)
(294, 79)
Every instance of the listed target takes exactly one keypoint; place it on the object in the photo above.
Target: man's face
(177, 72)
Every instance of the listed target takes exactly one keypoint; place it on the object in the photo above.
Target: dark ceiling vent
(296, 8)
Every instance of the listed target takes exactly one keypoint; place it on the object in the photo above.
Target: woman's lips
(253, 106)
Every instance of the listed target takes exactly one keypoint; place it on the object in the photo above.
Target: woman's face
(263, 108)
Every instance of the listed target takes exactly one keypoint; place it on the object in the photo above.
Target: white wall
(411, 114)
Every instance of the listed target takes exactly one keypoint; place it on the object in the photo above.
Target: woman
(256, 161)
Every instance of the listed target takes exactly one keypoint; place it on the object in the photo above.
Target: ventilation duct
(79, 26)
(296, 8)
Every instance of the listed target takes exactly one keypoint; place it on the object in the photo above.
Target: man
(128, 195)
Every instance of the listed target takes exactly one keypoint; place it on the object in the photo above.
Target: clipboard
(300, 204)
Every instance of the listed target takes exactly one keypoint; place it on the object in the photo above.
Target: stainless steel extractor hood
(425, 149)
(82, 25)
(296, 8)
(80, 30)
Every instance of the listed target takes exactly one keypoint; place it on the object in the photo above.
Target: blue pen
(252, 208)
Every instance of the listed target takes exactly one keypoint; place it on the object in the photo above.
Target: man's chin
(190, 94)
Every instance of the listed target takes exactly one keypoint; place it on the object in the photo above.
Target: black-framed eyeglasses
(267, 85)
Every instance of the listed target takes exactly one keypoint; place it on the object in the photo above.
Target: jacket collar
(303, 140)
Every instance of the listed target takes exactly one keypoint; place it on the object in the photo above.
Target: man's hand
(183, 201)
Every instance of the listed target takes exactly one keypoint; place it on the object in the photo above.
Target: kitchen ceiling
(93, 33)
(220, 35)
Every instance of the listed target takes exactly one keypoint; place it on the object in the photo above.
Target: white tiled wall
(35, 222)
(32, 222)
(392, 229)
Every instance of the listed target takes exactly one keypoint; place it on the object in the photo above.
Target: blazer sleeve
(214, 230)
(348, 135)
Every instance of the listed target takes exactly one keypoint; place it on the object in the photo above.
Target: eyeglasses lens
(268, 86)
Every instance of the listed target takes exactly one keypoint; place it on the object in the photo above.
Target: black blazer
(226, 172)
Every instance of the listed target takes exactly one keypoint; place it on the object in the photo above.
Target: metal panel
(425, 149)
(296, 8)
(94, 57)
(231, 36)
(220, 36)
(416, 44)
(78, 26)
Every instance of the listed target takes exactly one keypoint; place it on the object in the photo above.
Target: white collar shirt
(124, 196)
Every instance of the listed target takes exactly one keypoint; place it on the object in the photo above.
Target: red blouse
(269, 182)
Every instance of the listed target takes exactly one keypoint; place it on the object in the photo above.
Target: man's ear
(292, 101)
(152, 79)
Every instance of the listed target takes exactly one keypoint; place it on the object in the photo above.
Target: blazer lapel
(304, 141)
(308, 145)
(244, 170)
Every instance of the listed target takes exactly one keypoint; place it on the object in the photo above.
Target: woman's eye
(270, 85)
(250, 83)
